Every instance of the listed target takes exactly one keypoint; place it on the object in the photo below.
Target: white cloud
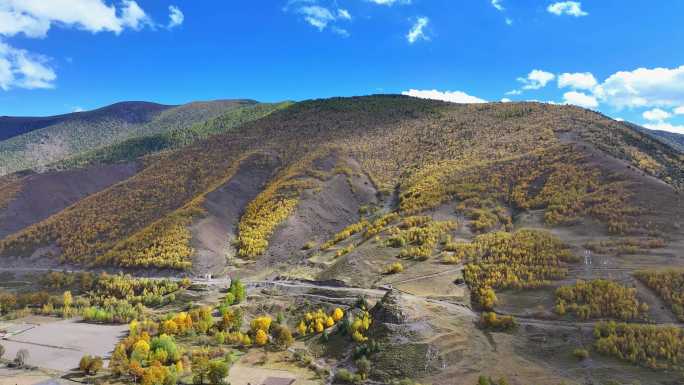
(579, 80)
(390, 2)
(679, 110)
(580, 99)
(447, 96)
(662, 126)
(12, 23)
(536, 79)
(644, 87)
(416, 32)
(343, 14)
(618, 119)
(6, 74)
(497, 4)
(78, 109)
(133, 16)
(34, 18)
(320, 17)
(506, 100)
(317, 16)
(21, 69)
(656, 115)
(509, 21)
(514, 92)
(340, 31)
(176, 17)
(571, 8)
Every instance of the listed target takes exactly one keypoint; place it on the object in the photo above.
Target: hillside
(674, 140)
(130, 112)
(398, 142)
(139, 146)
(448, 236)
(43, 141)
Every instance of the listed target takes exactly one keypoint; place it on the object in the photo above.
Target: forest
(520, 260)
(599, 298)
(99, 298)
(652, 346)
(669, 284)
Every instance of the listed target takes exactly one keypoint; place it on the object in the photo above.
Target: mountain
(43, 141)
(130, 112)
(671, 138)
(453, 235)
(139, 146)
(399, 143)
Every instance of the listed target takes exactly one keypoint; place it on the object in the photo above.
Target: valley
(382, 239)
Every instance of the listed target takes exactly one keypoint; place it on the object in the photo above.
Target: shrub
(84, 363)
(90, 365)
(218, 371)
(260, 337)
(22, 357)
(237, 290)
(490, 320)
(363, 365)
(283, 336)
(394, 268)
(581, 354)
(345, 376)
(482, 380)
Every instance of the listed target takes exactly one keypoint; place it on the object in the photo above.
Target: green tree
(363, 365)
(283, 336)
(200, 369)
(119, 364)
(237, 289)
(218, 371)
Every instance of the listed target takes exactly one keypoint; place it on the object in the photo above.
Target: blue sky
(624, 58)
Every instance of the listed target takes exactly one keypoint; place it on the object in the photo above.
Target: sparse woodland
(486, 157)
(521, 260)
(669, 284)
(656, 347)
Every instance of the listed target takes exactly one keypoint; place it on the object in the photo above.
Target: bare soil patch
(213, 234)
(59, 345)
(45, 194)
(320, 214)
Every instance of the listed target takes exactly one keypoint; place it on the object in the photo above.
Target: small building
(278, 381)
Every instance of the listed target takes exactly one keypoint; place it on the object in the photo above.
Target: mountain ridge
(72, 134)
(16, 125)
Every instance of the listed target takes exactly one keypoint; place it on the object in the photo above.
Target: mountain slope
(414, 145)
(452, 236)
(136, 147)
(674, 140)
(73, 134)
(130, 112)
